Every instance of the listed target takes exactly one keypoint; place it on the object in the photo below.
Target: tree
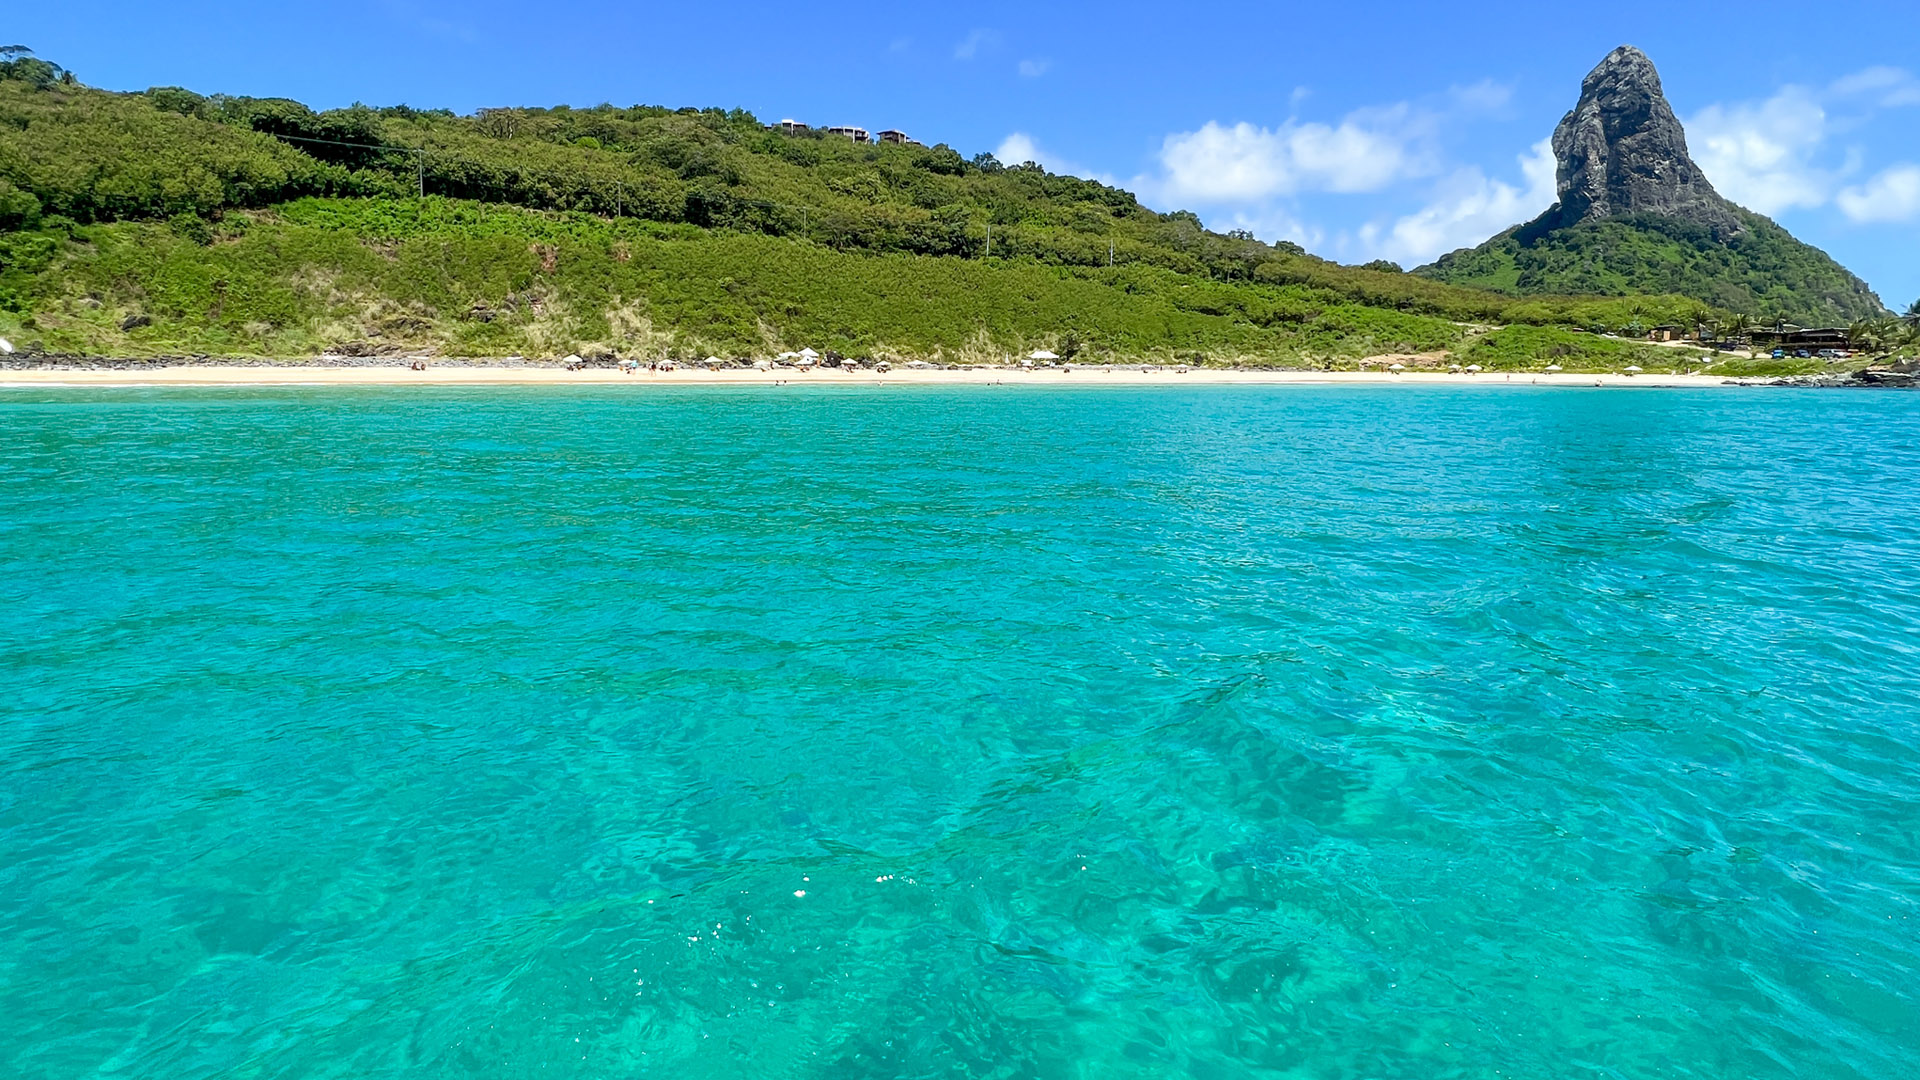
(1912, 316)
(18, 62)
(1866, 335)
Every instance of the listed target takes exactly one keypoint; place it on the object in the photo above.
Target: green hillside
(1763, 273)
(166, 222)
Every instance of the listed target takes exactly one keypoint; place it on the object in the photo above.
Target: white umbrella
(712, 361)
(1473, 367)
(6, 347)
(1041, 354)
(1554, 367)
(1632, 369)
(1397, 367)
(808, 354)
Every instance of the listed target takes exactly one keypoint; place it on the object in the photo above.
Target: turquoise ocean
(959, 732)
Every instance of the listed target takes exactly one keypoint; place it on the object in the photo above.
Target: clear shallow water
(1236, 732)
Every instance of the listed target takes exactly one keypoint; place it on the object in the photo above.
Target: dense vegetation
(1763, 273)
(167, 222)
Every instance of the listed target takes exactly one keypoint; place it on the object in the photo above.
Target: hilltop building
(857, 134)
(897, 137)
(791, 127)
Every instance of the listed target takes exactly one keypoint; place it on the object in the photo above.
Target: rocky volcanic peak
(1622, 151)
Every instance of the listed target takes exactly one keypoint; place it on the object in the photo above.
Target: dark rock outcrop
(1636, 215)
(1622, 151)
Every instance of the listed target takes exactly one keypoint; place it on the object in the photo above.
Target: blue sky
(1394, 130)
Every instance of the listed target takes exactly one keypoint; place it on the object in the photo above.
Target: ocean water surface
(959, 732)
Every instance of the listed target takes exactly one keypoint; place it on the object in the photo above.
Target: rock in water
(1622, 151)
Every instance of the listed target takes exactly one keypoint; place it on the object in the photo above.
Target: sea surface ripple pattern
(930, 732)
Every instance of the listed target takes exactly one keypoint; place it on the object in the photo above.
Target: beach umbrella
(1554, 367)
(6, 347)
(1473, 367)
(1041, 354)
(1631, 369)
(712, 361)
(1397, 367)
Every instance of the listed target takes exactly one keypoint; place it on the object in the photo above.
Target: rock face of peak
(1622, 151)
(1636, 215)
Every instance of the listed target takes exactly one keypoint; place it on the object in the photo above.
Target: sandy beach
(555, 375)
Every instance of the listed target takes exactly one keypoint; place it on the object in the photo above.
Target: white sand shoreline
(482, 375)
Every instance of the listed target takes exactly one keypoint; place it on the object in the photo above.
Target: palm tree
(1867, 335)
(1738, 327)
(1701, 318)
(1912, 316)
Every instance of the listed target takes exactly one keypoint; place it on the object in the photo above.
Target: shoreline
(205, 374)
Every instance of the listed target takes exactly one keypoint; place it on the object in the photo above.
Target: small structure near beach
(6, 347)
(1042, 355)
(573, 362)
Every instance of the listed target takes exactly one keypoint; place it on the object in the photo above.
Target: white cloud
(1018, 149)
(1893, 195)
(1761, 155)
(1272, 224)
(1887, 87)
(1033, 69)
(971, 45)
(1469, 208)
(1483, 96)
(1217, 164)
